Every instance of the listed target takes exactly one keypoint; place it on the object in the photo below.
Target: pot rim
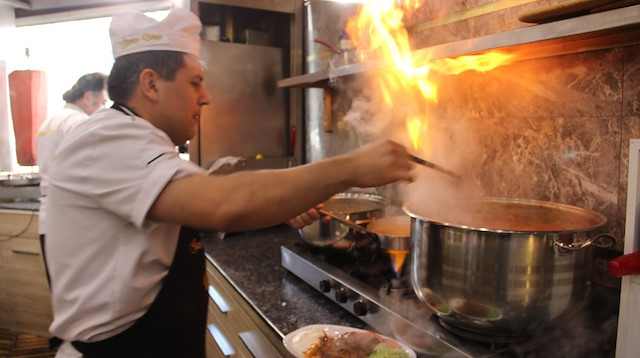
(358, 195)
(601, 219)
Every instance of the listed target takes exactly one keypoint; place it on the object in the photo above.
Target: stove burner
(481, 337)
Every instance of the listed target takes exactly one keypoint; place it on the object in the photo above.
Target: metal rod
(344, 221)
(434, 166)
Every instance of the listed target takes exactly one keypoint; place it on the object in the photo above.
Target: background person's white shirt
(48, 139)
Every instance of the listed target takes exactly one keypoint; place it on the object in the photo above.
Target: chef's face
(181, 101)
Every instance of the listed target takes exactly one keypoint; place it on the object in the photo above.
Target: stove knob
(325, 285)
(341, 295)
(360, 308)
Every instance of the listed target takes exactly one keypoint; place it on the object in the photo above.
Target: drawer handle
(24, 252)
(221, 340)
(258, 345)
(219, 301)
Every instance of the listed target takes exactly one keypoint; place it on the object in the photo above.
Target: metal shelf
(609, 29)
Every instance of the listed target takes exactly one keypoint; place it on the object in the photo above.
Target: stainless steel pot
(359, 208)
(393, 232)
(508, 269)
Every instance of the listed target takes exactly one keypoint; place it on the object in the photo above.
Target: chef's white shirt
(106, 260)
(49, 136)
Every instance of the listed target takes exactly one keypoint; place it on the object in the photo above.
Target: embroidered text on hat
(133, 32)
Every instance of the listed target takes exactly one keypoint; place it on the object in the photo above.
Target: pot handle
(601, 240)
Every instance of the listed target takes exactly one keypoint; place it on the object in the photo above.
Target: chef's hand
(307, 218)
(379, 163)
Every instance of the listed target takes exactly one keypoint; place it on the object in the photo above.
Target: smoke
(448, 142)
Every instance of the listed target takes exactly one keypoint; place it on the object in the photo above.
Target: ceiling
(31, 12)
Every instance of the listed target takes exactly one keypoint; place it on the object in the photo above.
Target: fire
(398, 258)
(378, 32)
(414, 128)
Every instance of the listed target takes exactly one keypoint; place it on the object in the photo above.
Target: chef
(85, 97)
(126, 266)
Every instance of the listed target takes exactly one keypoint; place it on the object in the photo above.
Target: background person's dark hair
(94, 82)
(124, 74)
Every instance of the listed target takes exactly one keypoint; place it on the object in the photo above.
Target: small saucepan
(394, 236)
(393, 232)
(358, 208)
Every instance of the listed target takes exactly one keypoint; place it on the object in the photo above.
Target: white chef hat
(133, 32)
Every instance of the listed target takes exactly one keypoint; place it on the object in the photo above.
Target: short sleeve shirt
(106, 260)
(49, 136)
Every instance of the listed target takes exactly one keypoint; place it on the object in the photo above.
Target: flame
(398, 258)
(414, 128)
(377, 31)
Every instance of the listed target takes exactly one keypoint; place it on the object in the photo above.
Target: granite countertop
(251, 261)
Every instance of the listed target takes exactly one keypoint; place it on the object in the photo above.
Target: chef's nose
(205, 98)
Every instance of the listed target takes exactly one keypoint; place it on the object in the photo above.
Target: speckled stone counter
(251, 261)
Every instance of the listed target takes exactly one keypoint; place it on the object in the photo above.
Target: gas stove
(371, 289)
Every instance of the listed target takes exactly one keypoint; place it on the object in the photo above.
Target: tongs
(434, 166)
(350, 224)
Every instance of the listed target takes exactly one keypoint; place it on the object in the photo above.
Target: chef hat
(133, 32)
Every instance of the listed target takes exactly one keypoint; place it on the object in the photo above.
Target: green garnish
(383, 350)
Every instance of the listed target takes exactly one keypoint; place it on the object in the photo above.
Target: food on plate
(354, 344)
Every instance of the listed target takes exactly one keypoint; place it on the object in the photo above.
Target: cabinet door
(27, 290)
(234, 328)
(25, 300)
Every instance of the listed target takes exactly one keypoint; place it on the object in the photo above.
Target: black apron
(174, 326)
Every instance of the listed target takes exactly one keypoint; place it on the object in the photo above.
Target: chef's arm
(256, 199)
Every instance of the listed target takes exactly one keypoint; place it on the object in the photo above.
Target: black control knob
(341, 295)
(325, 285)
(360, 308)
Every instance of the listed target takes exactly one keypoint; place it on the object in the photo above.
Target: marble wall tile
(631, 98)
(586, 84)
(469, 27)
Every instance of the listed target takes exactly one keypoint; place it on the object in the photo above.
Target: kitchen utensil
(393, 232)
(507, 269)
(344, 221)
(359, 208)
(434, 166)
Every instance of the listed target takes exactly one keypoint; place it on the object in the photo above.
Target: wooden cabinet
(234, 328)
(25, 301)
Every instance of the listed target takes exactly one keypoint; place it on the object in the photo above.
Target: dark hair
(94, 82)
(125, 71)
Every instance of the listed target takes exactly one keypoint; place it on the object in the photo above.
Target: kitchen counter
(251, 261)
(28, 205)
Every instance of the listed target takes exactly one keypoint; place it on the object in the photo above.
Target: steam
(449, 142)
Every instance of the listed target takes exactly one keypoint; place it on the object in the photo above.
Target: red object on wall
(624, 265)
(28, 95)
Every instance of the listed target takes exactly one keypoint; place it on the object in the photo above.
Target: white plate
(301, 339)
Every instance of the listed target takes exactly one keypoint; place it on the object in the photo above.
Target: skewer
(434, 166)
(344, 221)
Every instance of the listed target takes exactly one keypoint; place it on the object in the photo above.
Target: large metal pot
(359, 208)
(508, 269)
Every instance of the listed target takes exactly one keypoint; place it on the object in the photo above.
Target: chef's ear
(148, 79)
